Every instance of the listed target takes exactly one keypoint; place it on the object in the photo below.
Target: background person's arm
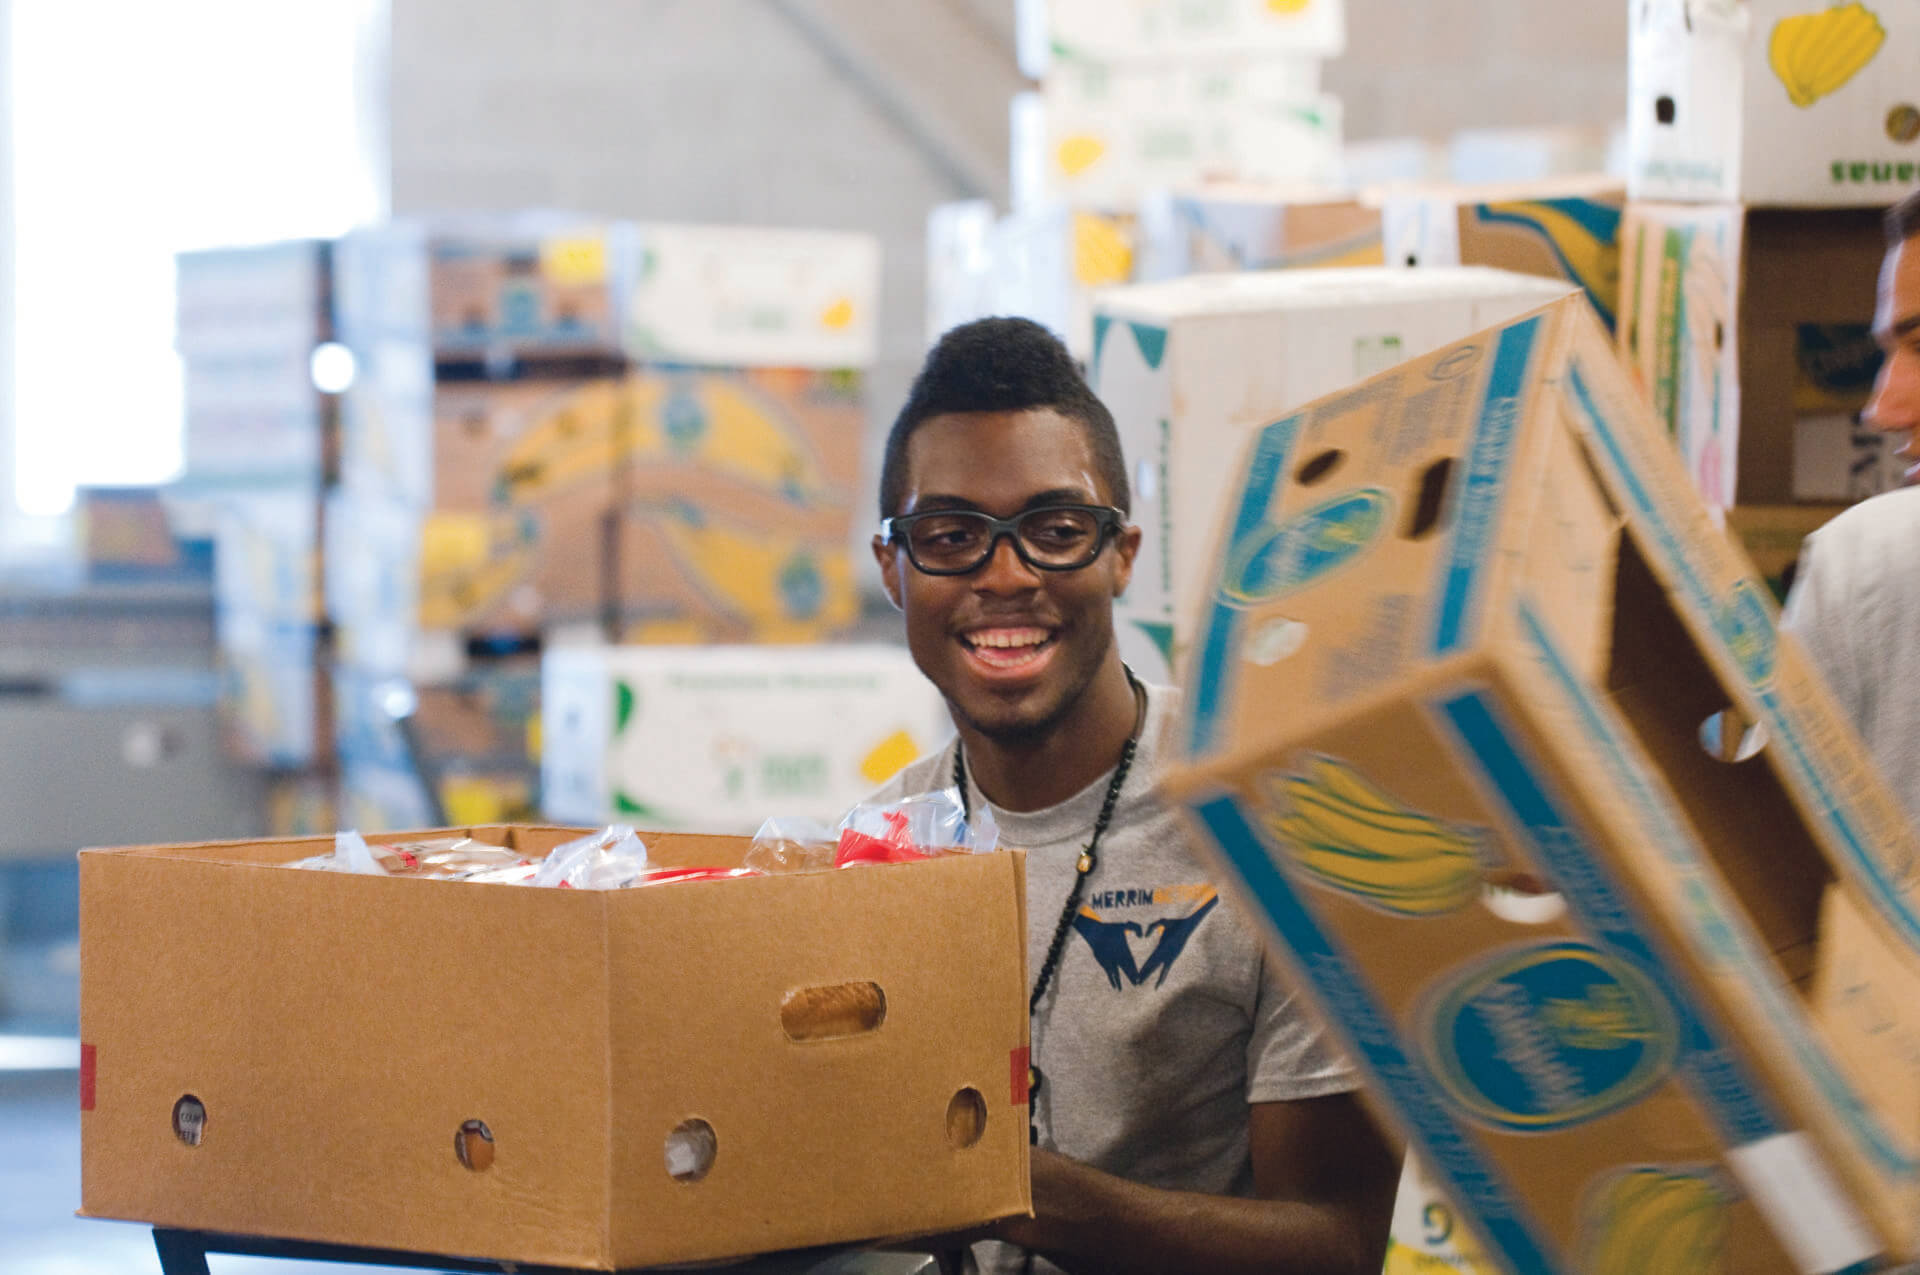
(1323, 1175)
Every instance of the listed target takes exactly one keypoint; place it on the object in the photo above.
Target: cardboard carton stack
(1763, 138)
(261, 447)
(1134, 99)
(1638, 997)
(480, 444)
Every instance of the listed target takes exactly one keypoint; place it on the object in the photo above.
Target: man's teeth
(1008, 638)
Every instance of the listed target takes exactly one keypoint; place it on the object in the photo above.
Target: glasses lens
(948, 542)
(1060, 537)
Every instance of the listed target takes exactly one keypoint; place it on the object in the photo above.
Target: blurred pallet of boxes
(645, 432)
(261, 440)
(1763, 141)
(1134, 99)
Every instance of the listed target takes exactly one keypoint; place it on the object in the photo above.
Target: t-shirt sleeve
(1289, 1055)
(1823, 615)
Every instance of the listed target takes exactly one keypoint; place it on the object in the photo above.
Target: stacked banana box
(651, 432)
(253, 328)
(1134, 99)
(1593, 881)
(1764, 137)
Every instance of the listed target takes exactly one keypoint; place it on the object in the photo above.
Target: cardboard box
(1051, 31)
(1042, 264)
(1109, 156)
(130, 535)
(335, 1064)
(1427, 1236)
(1500, 156)
(1770, 535)
(1504, 631)
(1192, 367)
(719, 739)
(266, 557)
(740, 296)
(275, 708)
(483, 716)
(302, 804)
(1564, 229)
(265, 299)
(1773, 102)
(1740, 322)
(485, 288)
(1252, 227)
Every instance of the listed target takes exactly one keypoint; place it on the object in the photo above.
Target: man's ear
(1126, 546)
(889, 559)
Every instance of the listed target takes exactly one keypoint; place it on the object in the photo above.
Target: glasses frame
(1108, 522)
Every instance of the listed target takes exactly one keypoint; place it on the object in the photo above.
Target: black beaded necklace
(1083, 866)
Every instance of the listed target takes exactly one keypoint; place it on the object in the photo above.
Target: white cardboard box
(1191, 368)
(1765, 102)
(1137, 30)
(1038, 263)
(1112, 154)
(719, 739)
(741, 296)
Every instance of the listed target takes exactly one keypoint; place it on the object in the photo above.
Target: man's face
(1012, 648)
(1895, 406)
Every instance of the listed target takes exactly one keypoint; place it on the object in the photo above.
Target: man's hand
(1324, 1179)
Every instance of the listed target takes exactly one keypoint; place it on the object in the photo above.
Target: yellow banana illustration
(468, 562)
(1353, 837)
(838, 315)
(1288, 6)
(1079, 152)
(780, 588)
(1653, 1221)
(1102, 252)
(1816, 53)
(577, 436)
(889, 757)
(721, 425)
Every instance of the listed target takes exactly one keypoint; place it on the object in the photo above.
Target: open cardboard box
(297, 1054)
(1572, 950)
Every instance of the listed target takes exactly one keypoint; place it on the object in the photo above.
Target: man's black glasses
(954, 542)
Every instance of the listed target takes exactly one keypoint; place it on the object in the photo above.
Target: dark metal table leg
(181, 1252)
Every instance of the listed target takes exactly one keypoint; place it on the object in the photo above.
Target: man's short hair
(1002, 365)
(1903, 220)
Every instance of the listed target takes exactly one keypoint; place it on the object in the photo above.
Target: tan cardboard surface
(339, 1030)
(1497, 680)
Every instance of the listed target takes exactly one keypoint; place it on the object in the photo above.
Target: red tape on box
(1019, 1064)
(86, 1077)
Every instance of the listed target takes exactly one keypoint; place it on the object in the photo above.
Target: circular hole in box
(691, 1149)
(473, 1144)
(190, 1120)
(966, 1118)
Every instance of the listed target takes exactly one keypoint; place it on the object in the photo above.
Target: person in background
(1855, 602)
(1187, 1113)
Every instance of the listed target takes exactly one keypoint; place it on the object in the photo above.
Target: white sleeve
(1824, 615)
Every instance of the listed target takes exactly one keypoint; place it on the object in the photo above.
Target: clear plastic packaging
(793, 845)
(606, 860)
(441, 858)
(922, 826)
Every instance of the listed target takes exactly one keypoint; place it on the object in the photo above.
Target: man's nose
(1895, 405)
(1005, 570)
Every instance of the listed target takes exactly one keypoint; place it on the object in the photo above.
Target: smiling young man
(1187, 1114)
(1856, 596)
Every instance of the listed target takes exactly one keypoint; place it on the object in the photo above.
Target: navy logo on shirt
(1163, 938)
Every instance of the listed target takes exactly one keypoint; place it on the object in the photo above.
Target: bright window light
(141, 130)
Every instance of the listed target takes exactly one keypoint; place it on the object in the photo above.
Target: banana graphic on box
(786, 590)
(577, 436)
(1351, 836)
(1655, 1221)
(469, 562)
(718, 424)
(1102, 251)
(1815, 53)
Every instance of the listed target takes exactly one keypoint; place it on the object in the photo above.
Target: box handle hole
(190, 1120)
(1730, 737)
(1521, 898)
(1663, 109)
(1319, 467)
(691, 1149)
(473, 1144)
(966, 1118)
(832, 1012)
(1429, 499)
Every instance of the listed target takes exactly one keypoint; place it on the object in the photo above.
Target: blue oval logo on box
(1549, 1036)
(1274, 560)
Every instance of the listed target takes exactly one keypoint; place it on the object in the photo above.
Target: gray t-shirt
(1856, 606)
(1165, 1017)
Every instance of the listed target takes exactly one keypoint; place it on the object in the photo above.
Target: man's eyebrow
(1903, 327)
(1053, 496)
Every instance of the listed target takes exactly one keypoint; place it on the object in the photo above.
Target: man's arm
(1323, 1175)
